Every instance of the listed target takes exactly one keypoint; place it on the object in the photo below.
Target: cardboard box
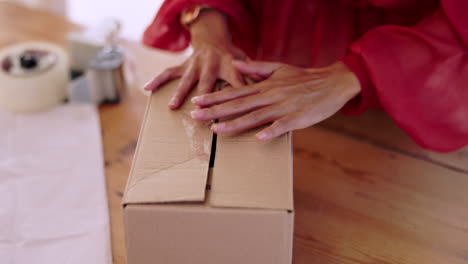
(178, 210)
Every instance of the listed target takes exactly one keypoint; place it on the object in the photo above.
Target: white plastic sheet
(53, 205)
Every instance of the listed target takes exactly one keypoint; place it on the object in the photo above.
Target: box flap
(172, 155)
(252, 174)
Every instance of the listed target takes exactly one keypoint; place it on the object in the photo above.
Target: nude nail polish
(262, 136)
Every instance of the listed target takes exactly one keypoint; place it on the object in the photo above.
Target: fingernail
(262, 135)
(196, 114)
(173, 101)
(146, 86)
(220, 126)
(196, 99)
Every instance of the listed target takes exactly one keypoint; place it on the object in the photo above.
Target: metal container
(105, 76)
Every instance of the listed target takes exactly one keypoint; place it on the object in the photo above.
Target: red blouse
(411, 56)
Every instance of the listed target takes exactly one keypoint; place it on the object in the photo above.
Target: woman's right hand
(210, 61)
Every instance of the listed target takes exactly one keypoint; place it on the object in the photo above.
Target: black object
(75, 74)
(28, 61)
(213, 149)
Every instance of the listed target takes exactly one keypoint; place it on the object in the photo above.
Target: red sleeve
(419, 75)
(166, 31)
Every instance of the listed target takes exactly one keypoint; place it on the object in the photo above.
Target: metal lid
(108, 59)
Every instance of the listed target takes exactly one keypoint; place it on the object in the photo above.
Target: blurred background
(135, 15)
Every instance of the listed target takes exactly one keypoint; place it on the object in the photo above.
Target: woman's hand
(211, 60)
(289, 97)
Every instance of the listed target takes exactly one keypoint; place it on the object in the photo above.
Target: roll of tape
(33, 76)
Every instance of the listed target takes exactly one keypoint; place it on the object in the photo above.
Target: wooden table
(364, 192)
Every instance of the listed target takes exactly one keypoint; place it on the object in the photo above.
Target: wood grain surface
(364, 192)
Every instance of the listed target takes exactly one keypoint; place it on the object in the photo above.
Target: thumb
(260, 68)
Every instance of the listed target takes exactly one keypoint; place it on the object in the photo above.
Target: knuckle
(291, 105)
(167, 71)
(197, 53)
(189, 74)
(203, 80)
(209, 112)
(203, 86)
(172, 69)
(190, 63)
(305, 88)
(231, 125)
(285, 90)
(183, 86)
(216, 110)
(228, 56)
(209, 54)
(204, 56)
(273, 93)
(210, 72)
(207, 98)
(192, 66)
(207, 76)
(256, 116)
(184, 77)
(163, 75)
(280, 125)
(266, 89)
(180, 86)
(240, 102)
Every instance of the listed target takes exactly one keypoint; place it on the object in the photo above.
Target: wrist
(352, 84)
(211, 24)
(355, 85)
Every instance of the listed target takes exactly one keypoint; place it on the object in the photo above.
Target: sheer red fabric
(411, 56)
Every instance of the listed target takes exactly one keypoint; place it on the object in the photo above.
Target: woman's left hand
(288, 97)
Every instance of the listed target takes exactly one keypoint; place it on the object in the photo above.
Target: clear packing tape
(34, 76)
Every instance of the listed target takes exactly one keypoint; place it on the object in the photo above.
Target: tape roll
(33, 76)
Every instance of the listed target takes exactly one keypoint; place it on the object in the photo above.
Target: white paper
(53, 205)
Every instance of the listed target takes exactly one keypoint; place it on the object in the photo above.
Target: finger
(257, 77)
(185, 85)
(224, 95)
(234, 107)
(165, 76)
(254, 119)
(230, 94)
(207, 78)
(264, 69)
(239, 54)
(278, 128)
(231, 75)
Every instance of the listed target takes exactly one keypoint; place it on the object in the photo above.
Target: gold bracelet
(192, 13)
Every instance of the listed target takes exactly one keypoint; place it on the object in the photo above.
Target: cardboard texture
(175, 214)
